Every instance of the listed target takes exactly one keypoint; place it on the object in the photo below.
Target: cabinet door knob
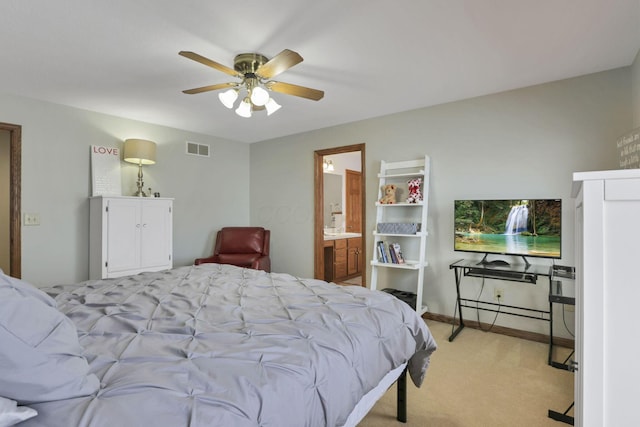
(137, 225)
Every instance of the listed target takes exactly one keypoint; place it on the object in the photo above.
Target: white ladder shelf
(399, 173)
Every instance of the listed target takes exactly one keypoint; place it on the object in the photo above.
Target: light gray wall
(56, 183)
(524, 143)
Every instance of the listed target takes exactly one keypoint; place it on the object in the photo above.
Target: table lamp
(140, 152)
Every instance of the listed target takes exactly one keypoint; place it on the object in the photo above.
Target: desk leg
(458, 274)
(563, 417)
(550, 361)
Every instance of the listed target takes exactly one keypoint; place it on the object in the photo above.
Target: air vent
(196, 149)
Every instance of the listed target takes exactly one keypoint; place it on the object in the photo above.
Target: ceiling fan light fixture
(259, 96)
(228, 98)
(272, 106)
(244, 109)
(256, 72)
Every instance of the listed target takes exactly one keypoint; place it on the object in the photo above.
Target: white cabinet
(129, 235)
(607, 290)
(403, 223)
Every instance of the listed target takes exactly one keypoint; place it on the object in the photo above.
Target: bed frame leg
(402, 397)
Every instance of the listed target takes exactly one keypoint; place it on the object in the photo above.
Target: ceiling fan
(255, 72)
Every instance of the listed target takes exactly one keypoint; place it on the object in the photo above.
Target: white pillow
(11, 413)
(40, 356)
(26, 289)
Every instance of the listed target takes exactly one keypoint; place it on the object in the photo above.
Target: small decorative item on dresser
(398, 228)
(415, 195)
(396, 248)
(388, 194)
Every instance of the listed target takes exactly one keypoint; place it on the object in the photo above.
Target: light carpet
(481, 379)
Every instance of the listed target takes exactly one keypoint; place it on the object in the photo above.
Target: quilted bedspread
(218, 345)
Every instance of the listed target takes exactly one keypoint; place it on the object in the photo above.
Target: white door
(123, 235)
(156, 236)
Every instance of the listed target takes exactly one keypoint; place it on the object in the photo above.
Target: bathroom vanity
(342, 253)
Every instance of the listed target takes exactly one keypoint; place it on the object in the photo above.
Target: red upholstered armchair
(242, 246)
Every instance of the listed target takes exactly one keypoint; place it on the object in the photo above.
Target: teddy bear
(415, 195)
(389, 194)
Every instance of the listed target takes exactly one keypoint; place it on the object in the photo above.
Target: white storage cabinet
(607, 292)
(129, 235)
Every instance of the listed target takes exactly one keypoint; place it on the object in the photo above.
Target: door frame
(15, 173)
(318, 233)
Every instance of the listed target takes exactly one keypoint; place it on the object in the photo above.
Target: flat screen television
(526, 227)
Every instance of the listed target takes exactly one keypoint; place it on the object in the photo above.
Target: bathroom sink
(338, 235)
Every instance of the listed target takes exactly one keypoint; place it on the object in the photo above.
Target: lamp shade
(244, 109)
(259, 96)
(272, 106)
(228, 97)
(139, 151)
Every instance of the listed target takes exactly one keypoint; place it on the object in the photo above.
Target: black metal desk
(561, 291)
(514, 273)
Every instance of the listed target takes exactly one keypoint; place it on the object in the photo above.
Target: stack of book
(390, 253)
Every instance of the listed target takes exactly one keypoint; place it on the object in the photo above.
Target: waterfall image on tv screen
(510, 227)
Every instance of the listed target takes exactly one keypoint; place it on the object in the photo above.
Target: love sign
(95, 149)
(105, 171)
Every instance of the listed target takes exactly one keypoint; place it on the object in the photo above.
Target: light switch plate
(31, 219)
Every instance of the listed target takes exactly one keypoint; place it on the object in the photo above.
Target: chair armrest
(213, 258)
(262, 263)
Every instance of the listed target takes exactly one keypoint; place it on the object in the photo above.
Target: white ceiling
(371, 57)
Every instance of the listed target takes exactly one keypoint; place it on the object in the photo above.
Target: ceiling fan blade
(208, 88)
(208, 62)
(295, 90)
(279, 63)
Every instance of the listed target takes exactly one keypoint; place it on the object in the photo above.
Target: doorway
(351, 219)
(10, 138)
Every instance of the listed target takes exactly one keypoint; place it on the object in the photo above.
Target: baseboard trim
(517, 333)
